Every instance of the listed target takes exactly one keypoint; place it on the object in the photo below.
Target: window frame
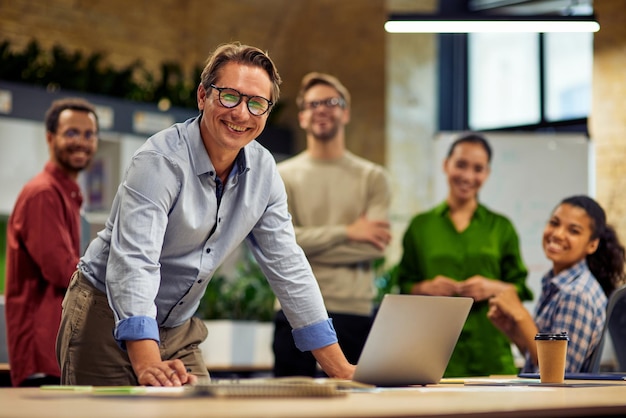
(453, 108)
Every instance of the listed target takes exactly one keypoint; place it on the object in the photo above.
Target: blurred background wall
(392, 77)
(345, 38)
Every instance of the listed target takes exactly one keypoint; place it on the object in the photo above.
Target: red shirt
(43, 247)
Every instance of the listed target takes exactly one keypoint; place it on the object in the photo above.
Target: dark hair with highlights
(607, 262)
(240, 54)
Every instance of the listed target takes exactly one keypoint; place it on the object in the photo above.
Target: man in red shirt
(43, 243)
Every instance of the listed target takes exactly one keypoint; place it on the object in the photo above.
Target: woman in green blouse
(461, 248)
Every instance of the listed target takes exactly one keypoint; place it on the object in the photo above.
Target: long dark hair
(471, 138)
(607, 262)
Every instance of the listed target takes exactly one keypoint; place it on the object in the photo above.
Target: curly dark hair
(607, 262)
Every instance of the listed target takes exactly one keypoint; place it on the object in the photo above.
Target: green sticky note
(79, 388)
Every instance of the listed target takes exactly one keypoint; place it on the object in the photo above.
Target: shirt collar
(200, 157)
(566, 276)
(240, 166)
(67, 182)
(443, 208)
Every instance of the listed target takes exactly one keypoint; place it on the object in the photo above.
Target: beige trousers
(89, 355)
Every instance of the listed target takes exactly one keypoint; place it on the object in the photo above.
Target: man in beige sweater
(339, 205)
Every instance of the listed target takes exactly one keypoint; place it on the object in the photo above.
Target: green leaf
(246, 296)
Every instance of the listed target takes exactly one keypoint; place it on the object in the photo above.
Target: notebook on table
(280, 387)
(412, 339)
(582, 376)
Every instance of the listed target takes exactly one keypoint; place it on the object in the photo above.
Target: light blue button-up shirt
(167, 235)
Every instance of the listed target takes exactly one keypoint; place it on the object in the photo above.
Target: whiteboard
(530, 175)
(23, 153)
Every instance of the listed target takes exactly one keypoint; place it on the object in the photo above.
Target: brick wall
(344, 37)
(608, 116)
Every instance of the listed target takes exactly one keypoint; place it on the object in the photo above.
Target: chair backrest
(616, 324)
(596, 357)
(4, 356)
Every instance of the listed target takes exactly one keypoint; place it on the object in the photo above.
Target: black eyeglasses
(329, 103)
(230, 98)
(73, 134)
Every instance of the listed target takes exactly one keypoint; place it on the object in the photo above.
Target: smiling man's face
(230, 129)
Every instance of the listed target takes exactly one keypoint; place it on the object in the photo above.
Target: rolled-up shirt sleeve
(136, 328)
(315, 336)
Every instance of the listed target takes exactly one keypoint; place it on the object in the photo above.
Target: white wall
(23, 153)
(411, 123)
(530, 174)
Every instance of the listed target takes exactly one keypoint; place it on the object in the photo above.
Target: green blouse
(489, 247)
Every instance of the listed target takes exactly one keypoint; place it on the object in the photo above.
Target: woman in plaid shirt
(587, 264)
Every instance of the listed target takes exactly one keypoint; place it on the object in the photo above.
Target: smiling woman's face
(567, 237)
(467, 168)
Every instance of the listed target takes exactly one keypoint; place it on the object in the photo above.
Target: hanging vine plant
(60, 69)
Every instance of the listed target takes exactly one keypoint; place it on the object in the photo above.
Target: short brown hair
(241, 54)
(72, 103)
(314, 78)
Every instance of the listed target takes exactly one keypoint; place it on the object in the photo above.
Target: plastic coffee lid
(552, 336)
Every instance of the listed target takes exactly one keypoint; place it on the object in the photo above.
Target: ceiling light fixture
(483, 23)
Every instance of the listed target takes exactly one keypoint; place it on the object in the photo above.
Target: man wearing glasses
(43, 243)
(339, 205)
(190, 196)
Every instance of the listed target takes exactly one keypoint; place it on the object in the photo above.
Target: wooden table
(220, 372)
(442, 400)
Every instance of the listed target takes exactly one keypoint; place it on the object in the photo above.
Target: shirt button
(211, 173)
(200, 281)
(180, 303)
(208, 250)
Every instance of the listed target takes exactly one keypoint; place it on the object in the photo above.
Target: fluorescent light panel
(473, 26)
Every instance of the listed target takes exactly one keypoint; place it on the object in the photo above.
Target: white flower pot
(238, 345)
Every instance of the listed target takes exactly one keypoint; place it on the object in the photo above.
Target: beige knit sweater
(324, 197)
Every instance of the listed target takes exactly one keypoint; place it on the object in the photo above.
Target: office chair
(4, 355)
(616, 324)
(596, 357)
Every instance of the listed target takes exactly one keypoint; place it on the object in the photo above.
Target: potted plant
(238, 310)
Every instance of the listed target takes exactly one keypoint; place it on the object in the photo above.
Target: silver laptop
(412, 339)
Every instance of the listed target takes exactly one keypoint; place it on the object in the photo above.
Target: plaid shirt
(572, 301)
